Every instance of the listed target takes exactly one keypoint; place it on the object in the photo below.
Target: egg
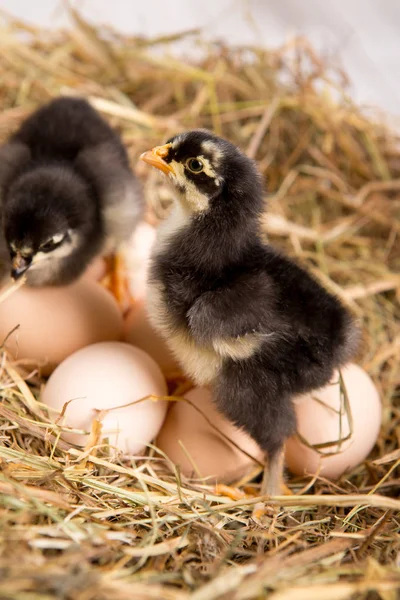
(139, 332)
(322, 419)
(191, 441)
(96, 270)
(137, 256)
(54, 322)
(104, 376)
(196, 441)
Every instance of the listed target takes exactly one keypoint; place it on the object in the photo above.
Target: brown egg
(96, 270)
(322, 419)
(54, 322)
(199, 448)
(139, 333)
(186, 433)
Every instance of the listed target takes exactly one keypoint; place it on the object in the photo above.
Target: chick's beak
(155, 158)
(19, 265)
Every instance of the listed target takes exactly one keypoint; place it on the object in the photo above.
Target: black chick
(238, 315)
(67, 192)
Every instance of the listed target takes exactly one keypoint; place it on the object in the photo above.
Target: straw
(90, 525)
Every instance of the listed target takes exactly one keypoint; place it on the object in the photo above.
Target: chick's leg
(117, 281)
(118, 276)
(252, 395)
(273, 483)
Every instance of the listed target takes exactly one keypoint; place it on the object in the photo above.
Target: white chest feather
(201, 364)
(177, 220)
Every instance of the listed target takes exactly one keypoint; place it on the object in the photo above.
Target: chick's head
(46, 216)
(206, 170)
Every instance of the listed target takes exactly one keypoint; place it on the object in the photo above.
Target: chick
(67, 192)
(238, 315)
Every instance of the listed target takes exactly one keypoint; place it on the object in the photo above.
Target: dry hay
(86, 526)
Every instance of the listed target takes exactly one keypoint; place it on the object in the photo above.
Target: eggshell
(319, 422)
(139, 332)
(214, 457)
(103, 376)
(54, 322)
(137, 257)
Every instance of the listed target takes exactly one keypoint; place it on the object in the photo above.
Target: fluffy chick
(238, 315)
(67, 192)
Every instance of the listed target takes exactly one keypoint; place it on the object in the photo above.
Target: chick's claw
(272, 485)
(263, 510)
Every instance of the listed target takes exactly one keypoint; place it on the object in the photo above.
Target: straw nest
(85, 526)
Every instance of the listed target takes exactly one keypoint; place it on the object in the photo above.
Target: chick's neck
(224, 233)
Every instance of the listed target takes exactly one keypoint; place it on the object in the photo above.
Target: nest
(83, 525)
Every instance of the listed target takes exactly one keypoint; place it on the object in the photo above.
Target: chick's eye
(195, 165)
(52, 243)
(47, 246)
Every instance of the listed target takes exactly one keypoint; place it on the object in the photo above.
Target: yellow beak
(19, 265)
(155, 158)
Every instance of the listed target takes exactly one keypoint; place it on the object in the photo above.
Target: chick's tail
(349, 340)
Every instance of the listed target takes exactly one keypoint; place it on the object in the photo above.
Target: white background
(363, 36)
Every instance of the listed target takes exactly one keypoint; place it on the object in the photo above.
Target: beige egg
(321, 419)
(197, 444)
(96, 270)
(137, 257)
(54, 322)
(139, 332)
(106, 376)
